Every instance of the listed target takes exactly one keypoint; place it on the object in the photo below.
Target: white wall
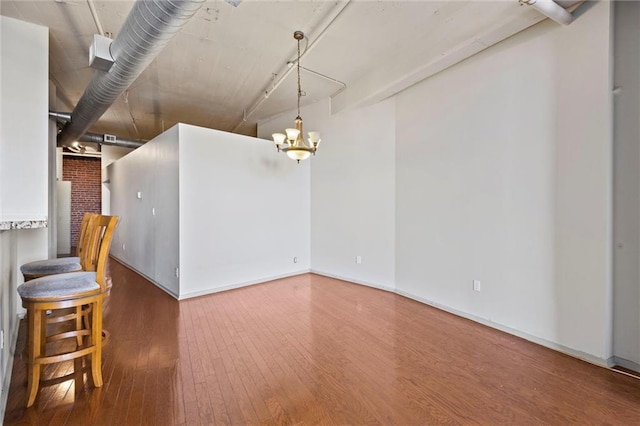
(109, 155)
(224, 205)
(52, 178)
(24, 90)
(504, 175)
(244, 211)
(352, 191)
(167, 208)
(147, 235)
(8, 315)
(626, 330)
(63, 217)
(23, 167)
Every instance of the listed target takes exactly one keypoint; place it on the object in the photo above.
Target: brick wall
(85, 174)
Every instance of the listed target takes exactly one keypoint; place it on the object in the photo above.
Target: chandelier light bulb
(298, 154)
(279, 139)
(292, 135)
(314, 138)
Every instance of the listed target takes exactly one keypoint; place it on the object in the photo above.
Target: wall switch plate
(139, 195)
(123, 247)
(359, 260)
(295, 260)
(476, 285)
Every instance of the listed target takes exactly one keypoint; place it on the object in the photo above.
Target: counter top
(6, 225)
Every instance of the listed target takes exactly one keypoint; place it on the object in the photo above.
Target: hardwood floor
(314, 350)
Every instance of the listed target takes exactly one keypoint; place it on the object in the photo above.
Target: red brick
(85, 174)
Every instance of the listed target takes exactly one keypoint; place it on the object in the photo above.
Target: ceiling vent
(100, 53)
(109, 138)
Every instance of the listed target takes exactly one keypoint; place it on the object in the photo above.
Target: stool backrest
(88, 221)
(100, 238)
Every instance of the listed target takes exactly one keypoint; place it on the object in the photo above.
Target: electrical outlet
(476, 285)
(177, 272)
(359, 260)
(295, 260)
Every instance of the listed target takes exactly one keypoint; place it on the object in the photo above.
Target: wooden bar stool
(43, 268)
(84, 293)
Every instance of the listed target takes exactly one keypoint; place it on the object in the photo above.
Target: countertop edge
(6, 225)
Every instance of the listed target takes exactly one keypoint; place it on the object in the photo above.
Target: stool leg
(34, 348)
(87, 318)
(79, 321)
(96, 340)
(43, 333)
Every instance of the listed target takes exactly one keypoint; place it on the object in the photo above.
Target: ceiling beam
(390, 80)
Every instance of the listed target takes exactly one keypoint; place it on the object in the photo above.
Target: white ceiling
(224, 59)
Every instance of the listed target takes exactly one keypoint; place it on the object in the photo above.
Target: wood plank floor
(314, 350)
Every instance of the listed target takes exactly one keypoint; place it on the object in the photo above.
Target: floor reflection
(314, 350)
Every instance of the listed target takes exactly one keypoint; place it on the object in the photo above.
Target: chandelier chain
(299, 87)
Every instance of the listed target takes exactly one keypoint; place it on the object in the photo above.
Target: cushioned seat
(42, 268)
(52, 266)
(60, 285)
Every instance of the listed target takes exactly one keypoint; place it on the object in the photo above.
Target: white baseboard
(631, 365)
(157, 284)
(535, 339)
(518, 333)
(6, 383)
(211, 290)
(241, 284)
(354, 281)
(538, 340)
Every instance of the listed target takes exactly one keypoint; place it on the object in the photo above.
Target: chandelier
(293, 141)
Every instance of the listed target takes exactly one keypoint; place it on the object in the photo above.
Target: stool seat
(54, 287)
(52, 266)
(81, 262)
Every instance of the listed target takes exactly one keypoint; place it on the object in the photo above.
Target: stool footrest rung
(68, 335)
(51, 359)
(54, 319)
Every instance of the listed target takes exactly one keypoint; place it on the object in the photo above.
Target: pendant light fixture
(293, 141)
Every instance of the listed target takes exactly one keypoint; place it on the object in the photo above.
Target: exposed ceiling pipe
(65, 116)
(568, 3)
(148, 28)
(551, 10)
(342, 84)
(110, 140)
(102, 139)
(340, 7)
(96, 19)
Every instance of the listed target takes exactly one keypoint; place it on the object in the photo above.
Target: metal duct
(65, 116)
(114, 140)
(148, 28)
(551, 10)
